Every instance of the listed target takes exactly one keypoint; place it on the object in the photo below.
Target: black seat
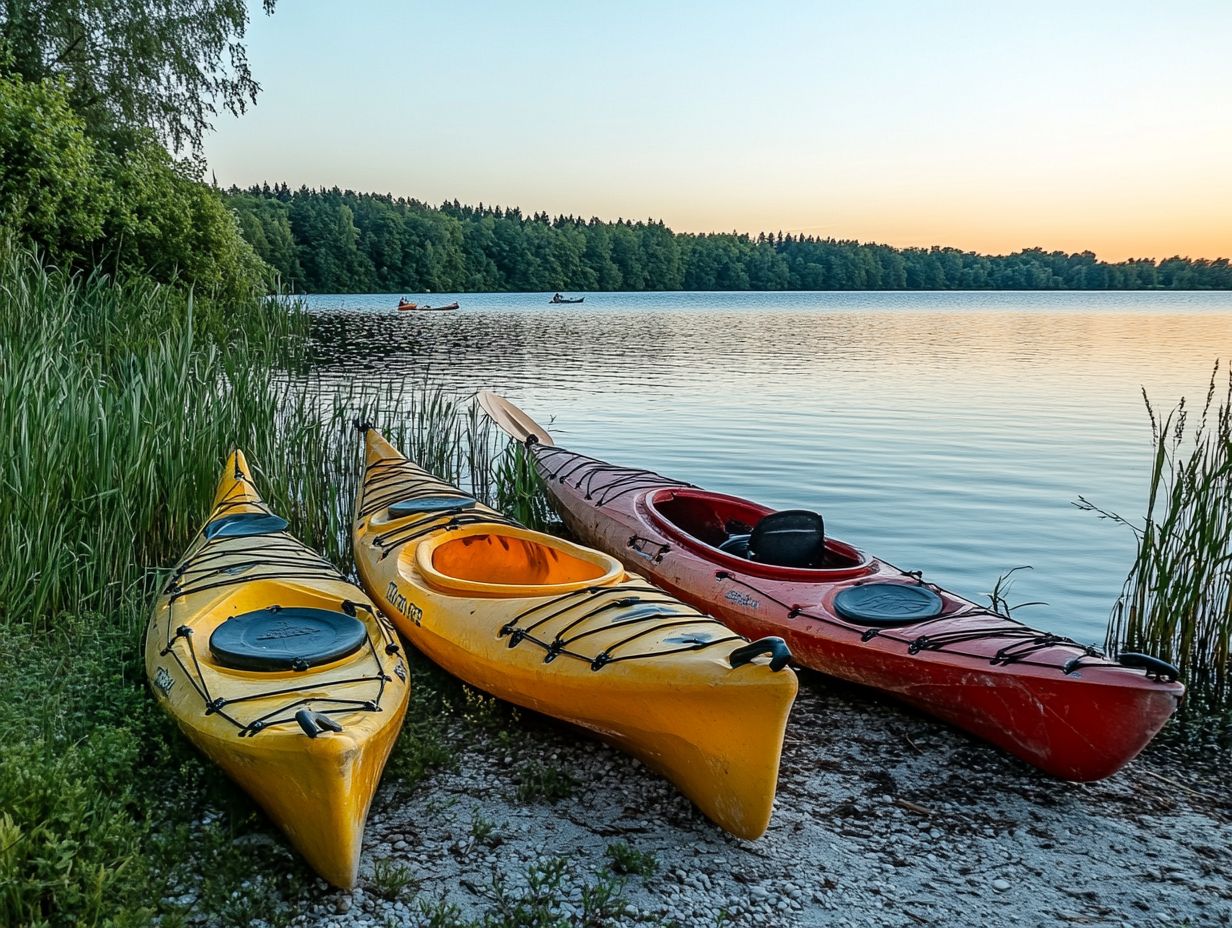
(286, 638)
(736, 545)
(791, 538)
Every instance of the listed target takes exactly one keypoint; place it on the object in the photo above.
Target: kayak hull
(1080, 726)
(317, 789)
(583, 641)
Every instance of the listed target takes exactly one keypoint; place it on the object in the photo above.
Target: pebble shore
(884, 818)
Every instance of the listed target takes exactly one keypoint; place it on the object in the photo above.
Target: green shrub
(544, 782)
(52, 189)
(132, 210)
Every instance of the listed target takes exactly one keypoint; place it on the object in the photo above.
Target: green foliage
(171, 227)
(483, 830)
(625, 859)
(537, 903)
(1177, 599)
(135, 64)
(118, 403)
(544, 783)
(84, 207)
(423, 744)
(331, 240)
(72, 839)
(520, 490)
(115, 417)
(998, 596)
(391, 879)
(534, 901)
(51, 188)
(116, 409)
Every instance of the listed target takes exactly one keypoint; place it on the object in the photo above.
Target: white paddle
(512, 420)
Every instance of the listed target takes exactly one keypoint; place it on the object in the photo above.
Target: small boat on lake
(567, 631)
(1053, 702)
(404, 305)
(282, 672)
(558, 299)
(431, 309)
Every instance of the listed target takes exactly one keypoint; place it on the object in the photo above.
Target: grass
(391, 879)
(624, 859)
(998, 596)
(544, 783)
(483, 830)
(538, 901)
(1176, 601)
(119, 401)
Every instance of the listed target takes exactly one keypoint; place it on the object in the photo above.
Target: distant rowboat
(424, 309)
(555, 301)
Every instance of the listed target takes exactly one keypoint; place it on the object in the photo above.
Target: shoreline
(884, 817)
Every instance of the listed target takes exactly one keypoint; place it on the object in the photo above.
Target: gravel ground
(883, 818)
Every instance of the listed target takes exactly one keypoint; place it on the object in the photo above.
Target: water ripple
(948, 431)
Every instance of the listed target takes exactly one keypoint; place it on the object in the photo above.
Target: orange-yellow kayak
(281, 672)
(566, 631)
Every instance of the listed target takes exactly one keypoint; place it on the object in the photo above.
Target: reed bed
(119, 402)
(1176, 602)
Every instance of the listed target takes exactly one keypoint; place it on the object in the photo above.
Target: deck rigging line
(210, 568)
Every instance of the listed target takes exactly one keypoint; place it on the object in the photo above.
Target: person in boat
(557, 298)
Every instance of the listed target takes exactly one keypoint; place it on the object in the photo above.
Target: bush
(133, 209)
(52, 191)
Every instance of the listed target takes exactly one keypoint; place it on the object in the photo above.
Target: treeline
(338, 241)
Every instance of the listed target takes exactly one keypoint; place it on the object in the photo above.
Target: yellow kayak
(282, 672)
(564, 630)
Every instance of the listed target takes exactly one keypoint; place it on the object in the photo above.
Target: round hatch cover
(425, 504)
(243, 524)
(286, 638)
(887, 604)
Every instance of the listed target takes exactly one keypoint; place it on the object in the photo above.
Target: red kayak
(1053, 702)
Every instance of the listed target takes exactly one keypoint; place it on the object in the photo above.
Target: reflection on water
(946, 431)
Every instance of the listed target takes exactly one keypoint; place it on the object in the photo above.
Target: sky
(985, 126)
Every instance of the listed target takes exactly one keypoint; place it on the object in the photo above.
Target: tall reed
(1176, 602)
(119, 402)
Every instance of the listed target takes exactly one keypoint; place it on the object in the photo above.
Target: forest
(340, 241)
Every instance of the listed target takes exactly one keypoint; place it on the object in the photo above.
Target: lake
(949, 432)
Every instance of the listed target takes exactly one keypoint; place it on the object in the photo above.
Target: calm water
(943, 431)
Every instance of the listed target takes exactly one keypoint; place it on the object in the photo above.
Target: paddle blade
(512, 420)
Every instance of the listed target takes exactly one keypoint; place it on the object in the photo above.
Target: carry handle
(1154, 667)
(775, 647)
(313, 723)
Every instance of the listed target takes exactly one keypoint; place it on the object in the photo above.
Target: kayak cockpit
(738, 532)
(508, 561)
